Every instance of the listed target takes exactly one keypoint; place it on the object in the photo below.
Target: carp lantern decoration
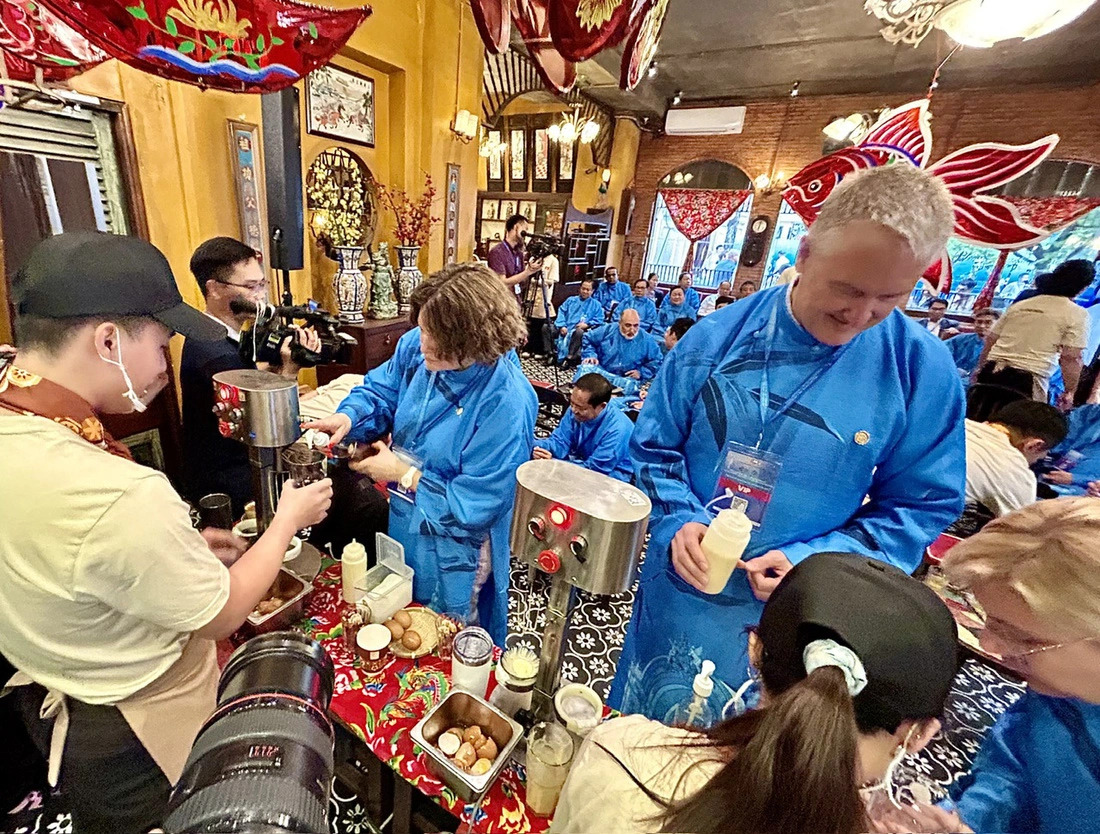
(254, 46)
(560, 33)
(904, 136)
(34, 42)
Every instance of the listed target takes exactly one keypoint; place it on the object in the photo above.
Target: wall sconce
(766, 185)
(466, 126)
(605, 180)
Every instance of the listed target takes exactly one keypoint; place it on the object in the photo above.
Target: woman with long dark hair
(855, 661)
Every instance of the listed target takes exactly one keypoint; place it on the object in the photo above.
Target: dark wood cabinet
(375, 343)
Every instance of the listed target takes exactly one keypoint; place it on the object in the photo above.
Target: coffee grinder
(584, 530)
(260, 409)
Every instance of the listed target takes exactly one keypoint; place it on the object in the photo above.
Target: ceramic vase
(409, 277)
(350, 284)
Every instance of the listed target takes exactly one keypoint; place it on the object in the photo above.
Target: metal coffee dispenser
(584, 530)
(260, 409)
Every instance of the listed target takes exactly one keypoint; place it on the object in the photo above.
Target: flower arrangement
(414, 216)
(335, 190)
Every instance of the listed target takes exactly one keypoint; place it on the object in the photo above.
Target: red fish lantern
(32, 38)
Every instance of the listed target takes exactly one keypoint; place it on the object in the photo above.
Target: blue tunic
(615, 355)
(470, 430)
(1083, 438)
(885, 422)
(669, 312)
(607, 294)
(601, 444)
(692, 299)
(571, 313)
(1038, 770)
(647, 312)
(965, 349)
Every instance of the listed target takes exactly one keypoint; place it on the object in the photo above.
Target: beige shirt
(599, 796)
(997, 474)
(102, 577)
(1031, 335)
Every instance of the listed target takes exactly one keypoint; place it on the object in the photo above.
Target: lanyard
(807, 383)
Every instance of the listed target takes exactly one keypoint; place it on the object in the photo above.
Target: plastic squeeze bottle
(724, 544)
(695, 711)
(353, 567)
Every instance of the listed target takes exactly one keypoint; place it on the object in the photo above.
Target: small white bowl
(293, 550)
(245, 528)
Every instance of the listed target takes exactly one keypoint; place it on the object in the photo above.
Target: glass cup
(216, 510)
(471, 657)
(549, 755)
(305, 466)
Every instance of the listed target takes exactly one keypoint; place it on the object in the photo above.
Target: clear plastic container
(388, 586)
(471, 660)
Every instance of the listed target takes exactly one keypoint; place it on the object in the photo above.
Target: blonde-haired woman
(462, 416)
(1037, 574)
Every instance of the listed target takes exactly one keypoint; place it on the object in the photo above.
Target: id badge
(746, 481)
(395, 489)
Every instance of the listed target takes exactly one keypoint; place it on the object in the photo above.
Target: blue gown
(884, 422)
(601, 444)
(615, 355)
(1084, 438)
(647, 313)
(669, 312)
(607, 294)
(693, 300)
(1038, 770)
(571, 313)
(965, 349)
(470, 430)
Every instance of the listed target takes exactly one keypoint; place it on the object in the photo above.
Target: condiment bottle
(353, 569)
(695, 712)
(724, 544)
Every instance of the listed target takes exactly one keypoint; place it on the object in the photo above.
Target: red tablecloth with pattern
(382, 709)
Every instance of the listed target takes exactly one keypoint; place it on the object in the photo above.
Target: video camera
(540, 246)
(262, 338)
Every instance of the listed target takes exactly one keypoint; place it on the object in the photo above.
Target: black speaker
(282, 139)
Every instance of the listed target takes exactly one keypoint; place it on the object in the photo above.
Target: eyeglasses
(251, 286)
(1017, 644)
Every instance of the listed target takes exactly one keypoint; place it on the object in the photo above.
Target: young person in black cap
(855, 661)
(109, 600)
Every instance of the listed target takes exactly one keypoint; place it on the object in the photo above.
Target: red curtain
(697, 212)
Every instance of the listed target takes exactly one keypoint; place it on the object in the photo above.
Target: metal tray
(294, 591)
(463, 709)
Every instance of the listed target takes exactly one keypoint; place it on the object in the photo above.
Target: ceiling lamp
(848, 129)
(574, 126)
(978, 23)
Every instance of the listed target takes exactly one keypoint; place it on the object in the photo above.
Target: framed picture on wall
(542, 155)
(528, 209)
(517, 144)
(244, 155)
(340, 105)
(496, 156)
(454, 175)
(507, 208)
(566, 154)
(490, 209)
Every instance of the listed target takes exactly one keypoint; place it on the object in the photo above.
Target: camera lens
(263, 763)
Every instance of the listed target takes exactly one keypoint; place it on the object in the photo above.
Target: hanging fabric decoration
(254, 46)
(696, 212)
(641, 43)
(31, 37)
(532, 19)
(581, 28)
(494, 22)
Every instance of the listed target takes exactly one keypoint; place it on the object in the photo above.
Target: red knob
(549, 561)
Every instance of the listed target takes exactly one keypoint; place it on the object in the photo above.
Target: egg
(396, 629)
(403, 618)
(466, 756)
(473, 735)
(481, 767)
(449, 742)
(486, 749)
(411, 640)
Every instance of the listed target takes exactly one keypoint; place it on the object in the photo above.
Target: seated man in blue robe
(966, 348)
(591, 434)
(622, 353)
(647, 310)
(1077, 458)
(612, 293)
(821, 401)
(575, 316)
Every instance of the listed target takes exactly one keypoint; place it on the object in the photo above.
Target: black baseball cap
(903, 633)
(77, 274)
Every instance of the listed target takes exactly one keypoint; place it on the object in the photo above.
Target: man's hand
(949, 332)
(563, 331)
(227, 547)
(912, 819)
(1065, 401)
(632, 375)
(765, 572)
(541, 454)
(336, 427)
(307, 337)
(582, 326)
(688, 557)
(590, 361)
(1093, 489)
(1057, 476)
(382, 465)
(533, 266)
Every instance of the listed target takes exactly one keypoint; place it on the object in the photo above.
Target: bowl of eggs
(415, 632)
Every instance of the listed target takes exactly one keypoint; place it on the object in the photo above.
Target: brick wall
(785, 135)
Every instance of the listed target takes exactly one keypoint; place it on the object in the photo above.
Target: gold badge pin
(862, 438)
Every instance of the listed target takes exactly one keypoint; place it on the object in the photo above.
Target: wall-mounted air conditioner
(705, 121)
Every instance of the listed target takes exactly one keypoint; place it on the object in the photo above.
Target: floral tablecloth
(381, 709)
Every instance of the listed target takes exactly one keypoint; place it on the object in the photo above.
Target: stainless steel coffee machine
(260, 409)
(584, 530)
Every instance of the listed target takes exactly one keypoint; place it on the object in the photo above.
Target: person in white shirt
(1001, 452)
(725, 290)
(1032, 339)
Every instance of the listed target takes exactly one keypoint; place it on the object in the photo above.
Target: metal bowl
(294, 591)
(461, 709)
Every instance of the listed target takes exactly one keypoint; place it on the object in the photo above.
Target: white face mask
(129, 393)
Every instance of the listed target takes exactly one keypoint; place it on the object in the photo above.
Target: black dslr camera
(540, 246)
(262, 338)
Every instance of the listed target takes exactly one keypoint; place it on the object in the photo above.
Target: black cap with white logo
(79, 274)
